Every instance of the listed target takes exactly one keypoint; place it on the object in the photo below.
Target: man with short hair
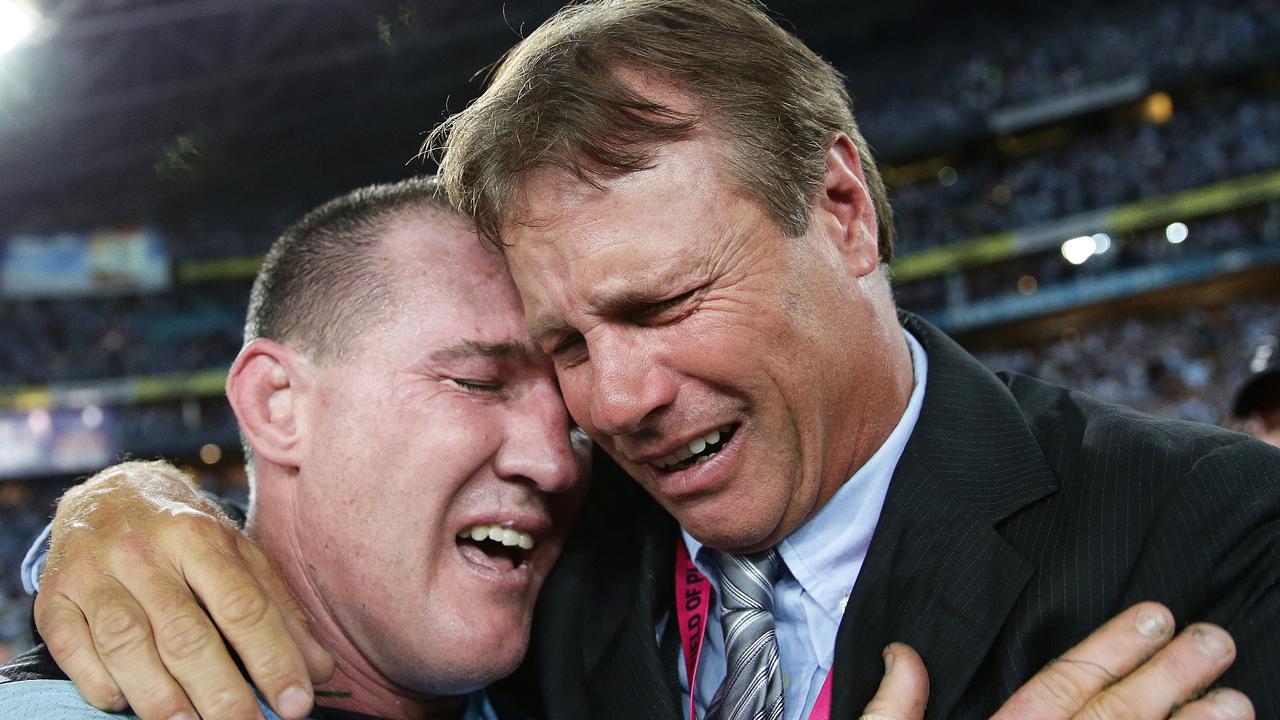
(413, 476)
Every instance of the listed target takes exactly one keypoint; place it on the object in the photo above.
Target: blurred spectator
(1180, 365)
(1257, 401)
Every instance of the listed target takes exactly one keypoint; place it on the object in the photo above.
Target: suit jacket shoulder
(1174, 511)
(1023, 516)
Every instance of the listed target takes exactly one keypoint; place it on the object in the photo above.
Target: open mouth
(696, 451)
(495, 546)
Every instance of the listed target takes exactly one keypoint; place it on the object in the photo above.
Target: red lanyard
(693, 598)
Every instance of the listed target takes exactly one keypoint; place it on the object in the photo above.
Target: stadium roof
(118, 105)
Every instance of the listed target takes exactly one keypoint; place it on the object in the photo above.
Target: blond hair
(556, 100)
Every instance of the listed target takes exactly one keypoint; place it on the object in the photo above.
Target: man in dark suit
(700, 237)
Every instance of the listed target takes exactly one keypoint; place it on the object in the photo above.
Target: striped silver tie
(752, 687)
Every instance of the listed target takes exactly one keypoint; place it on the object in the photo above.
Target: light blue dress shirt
(59, 700)
(823, 558)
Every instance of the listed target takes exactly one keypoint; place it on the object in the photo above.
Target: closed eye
(476, 386)
(666, 311)
(570, 351)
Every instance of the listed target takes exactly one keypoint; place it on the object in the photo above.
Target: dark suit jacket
(1020, 518)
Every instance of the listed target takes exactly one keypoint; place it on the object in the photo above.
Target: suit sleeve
(1215, 554)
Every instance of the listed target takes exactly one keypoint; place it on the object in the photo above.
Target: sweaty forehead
(439, 268)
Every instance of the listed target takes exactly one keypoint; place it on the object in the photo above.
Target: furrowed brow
(477, 348)
(546, 327)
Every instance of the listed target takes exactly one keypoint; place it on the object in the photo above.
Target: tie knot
(748, 580)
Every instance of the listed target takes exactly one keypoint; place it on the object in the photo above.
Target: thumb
(904, 691)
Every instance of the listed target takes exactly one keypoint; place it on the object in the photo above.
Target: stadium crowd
(1015, 53)
(190, 327)
(1182, 365)
(1229, 134)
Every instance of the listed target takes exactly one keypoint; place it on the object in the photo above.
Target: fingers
(1175, 675)
(904, 691)
(1218, 705)
(118, 548)
(194, 653)
(122, 638)
(66, 634)
(1127, 669)
(252, 622)
(1066, 685)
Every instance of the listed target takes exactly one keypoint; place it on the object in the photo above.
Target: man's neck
(357, 685)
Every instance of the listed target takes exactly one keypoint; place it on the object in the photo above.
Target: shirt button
(786, 681)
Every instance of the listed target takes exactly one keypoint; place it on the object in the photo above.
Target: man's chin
(746, 534)
(466, 667)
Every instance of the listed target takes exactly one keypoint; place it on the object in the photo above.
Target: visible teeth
(696, 446)
(509, 537)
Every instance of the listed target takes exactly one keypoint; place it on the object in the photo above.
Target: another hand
(140, 563)
(1132, 668)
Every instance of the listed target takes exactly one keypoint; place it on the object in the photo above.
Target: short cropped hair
(324, 278)
(557, 100)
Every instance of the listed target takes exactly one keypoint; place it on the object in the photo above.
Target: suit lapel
(938, 575)
(625, 675)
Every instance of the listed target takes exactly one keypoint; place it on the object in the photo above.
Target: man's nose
(538, 447)
(628, 385)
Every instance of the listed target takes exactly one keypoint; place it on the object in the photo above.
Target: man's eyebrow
(508, 350)
(619, 304)
(546, 326)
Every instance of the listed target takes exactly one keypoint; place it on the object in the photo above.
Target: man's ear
(847, 208)
(264, 387)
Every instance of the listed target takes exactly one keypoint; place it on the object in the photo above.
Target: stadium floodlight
(1176, 233)
(18, 21)
(1102, 242)
(91, 417)
(1078, 249)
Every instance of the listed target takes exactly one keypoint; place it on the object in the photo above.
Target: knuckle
(131, 548)
(244, 606)
(182, 636)
(119, 630)
(62, 639)
(197, 526)
(230, 703)
(1059, 689)
(1112, 705)
(159, 701)
(273, 671)
(101, 693)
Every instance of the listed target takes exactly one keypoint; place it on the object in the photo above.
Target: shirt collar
(825, 553)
